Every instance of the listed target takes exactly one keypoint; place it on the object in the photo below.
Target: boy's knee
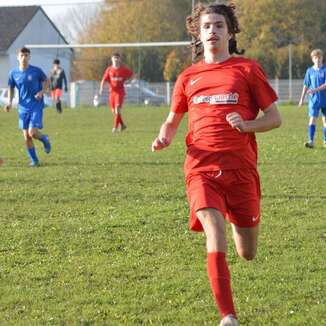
(247, 254)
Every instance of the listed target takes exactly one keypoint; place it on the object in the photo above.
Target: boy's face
(115, 60)
(317, 60)
(214, 32)
(23, 58)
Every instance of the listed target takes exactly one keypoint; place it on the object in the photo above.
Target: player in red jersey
(116, 75)
(222, 95)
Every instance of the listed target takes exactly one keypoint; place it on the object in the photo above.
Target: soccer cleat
(309, 144)
(123, 127)
(34, 164)
(114, 130)
(229, 320)
(47, 144)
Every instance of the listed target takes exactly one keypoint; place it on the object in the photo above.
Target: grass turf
(98, 234)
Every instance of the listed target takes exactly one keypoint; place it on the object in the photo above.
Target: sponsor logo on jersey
(230, 98)
(29, 77)
(194, 81)
(117, 78)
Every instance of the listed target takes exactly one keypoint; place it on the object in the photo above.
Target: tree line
(268, 29)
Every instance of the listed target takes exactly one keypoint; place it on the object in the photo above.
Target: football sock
(311, 133)
(59, 107)
(32, 154)
(120, 119)
(324, 130)
(117, 120)
(44, 139)
(219, 277)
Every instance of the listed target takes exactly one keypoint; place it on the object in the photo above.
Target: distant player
(57, 78)
(315, 85)
(31, 83)
(222, 95)
(116, 75)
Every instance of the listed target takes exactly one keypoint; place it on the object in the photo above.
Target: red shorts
(55, 93)
(116, 100)
(235, 193)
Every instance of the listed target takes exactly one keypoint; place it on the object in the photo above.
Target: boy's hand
(39, 95)
(235, 120)
(159, 143)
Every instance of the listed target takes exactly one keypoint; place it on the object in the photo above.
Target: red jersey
(208, 92)
(116, 78)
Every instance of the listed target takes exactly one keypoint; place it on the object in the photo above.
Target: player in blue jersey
(31, 83)
(315, 86)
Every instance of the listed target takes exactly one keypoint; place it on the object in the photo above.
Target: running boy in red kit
(222, 95)
(116, 75)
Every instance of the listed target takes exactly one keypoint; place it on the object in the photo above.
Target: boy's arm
(167, 131)
(317, 89)
(303, 95)
(11, 93)
(45, 86)
(102, 86)
(65, 80)
(270, 120)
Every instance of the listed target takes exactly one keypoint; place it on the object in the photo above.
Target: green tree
(135, 21)
(269, 26)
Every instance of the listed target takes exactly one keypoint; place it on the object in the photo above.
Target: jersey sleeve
(262, 92)
(179, 98)
(128, 73)
(11, 81)
(306, 81)
(42, 75)
(106, 75)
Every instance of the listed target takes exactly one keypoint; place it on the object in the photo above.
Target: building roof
(13, 21)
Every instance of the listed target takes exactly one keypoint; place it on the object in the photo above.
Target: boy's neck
(216, 57)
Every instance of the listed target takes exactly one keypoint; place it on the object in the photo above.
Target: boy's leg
(313, 115)
(324, 125)
(246, 241)
(218, 272)
(35, 125)
(30, 148)
(44, 139)
(58, 104)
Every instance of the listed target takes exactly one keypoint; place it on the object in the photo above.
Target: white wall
(5, 67)
(40, 31)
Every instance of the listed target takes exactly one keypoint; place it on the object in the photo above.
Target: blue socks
(311, 133)
(44, 139)
(32, 154)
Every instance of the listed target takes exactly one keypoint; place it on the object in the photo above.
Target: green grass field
(98, 235)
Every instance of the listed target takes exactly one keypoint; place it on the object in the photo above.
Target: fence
(82, 92)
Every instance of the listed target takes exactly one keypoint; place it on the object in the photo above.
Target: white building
(30, 25)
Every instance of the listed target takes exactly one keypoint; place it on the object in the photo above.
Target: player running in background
(222, 95)
(315, 85)
(57, 78)
(31, 83)
(116, 75)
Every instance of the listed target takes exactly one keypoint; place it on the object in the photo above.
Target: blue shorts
(315, 108)
(29, 120)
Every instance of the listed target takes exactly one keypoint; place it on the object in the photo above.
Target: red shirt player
(116, 75)
(222, 95)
